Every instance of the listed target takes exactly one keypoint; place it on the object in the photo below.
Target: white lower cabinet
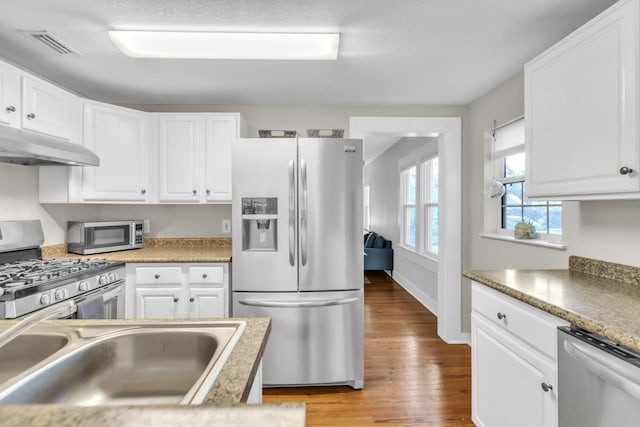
(514, 368)
(177, 291)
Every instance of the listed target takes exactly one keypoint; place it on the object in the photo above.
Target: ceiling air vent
(52, 42)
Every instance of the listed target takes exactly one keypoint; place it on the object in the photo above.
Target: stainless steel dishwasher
(598, 381)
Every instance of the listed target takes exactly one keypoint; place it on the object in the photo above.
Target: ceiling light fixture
(215, 45)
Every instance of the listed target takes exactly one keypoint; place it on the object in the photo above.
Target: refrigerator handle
(292, 213)
(313, 303)
(303, 212)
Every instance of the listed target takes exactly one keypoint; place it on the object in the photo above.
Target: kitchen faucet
(62, 309)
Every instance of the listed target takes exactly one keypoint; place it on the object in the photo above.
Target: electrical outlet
(146, 228)
(226, 226)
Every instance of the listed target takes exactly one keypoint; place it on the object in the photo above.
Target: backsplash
(608, 270)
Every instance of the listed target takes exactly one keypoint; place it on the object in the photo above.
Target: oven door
(113, 296)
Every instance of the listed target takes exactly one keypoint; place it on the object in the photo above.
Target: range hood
(30, 148)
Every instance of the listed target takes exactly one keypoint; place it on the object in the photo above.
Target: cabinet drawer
(213, 275)
(158, 275)
(535, 327)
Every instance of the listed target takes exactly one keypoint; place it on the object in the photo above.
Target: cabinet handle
(546, 387)
(195, 192)
(192, 299)
(208, 192)
(10, 109)
(501, 316)
(204, 276)
(176, 300)
(31, 116)
(143, 191)
(625, 170)
(157, 276)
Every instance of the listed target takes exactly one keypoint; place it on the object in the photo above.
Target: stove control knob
(59, 294)
(83, 286)
(45, 299)
(103, 280)
(113, 277)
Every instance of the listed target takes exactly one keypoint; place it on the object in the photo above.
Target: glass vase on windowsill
(524, 230)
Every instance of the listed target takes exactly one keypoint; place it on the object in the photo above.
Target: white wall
(416, 273)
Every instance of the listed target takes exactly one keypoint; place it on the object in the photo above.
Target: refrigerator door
(264, 215)
(316, 338)
(330, 214)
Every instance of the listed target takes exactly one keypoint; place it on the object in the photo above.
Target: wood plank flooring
(411, 377)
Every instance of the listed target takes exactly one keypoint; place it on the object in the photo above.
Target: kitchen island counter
(595, 295)
(232, 387)
(160, 250)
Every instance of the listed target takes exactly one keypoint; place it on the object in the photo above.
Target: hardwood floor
(411, 377)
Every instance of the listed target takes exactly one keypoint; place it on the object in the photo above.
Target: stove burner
(22, 274)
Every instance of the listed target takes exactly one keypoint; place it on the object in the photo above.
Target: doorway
(448, 131)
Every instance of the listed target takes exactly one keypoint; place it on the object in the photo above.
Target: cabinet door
(46, 108)
(206, 302)
(507, 388)
(119, 137)
(222, 130)
(158, 303)
(9, 95)
(581, 110)
(180, 141)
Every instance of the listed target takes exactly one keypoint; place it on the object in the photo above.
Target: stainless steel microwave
(96, 237)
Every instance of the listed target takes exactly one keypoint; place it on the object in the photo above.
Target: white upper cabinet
(222, 130)
(195, 156)
(180, 140)
(119, 137)
(49, 110)
(581, 111)
(10, 110)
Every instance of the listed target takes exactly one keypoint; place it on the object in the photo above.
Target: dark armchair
(378, 253)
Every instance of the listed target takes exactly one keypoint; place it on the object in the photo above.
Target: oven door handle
(622, 374)
(107, 292)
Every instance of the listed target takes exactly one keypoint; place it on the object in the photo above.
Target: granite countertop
(272, 415)
(232, 387)
(189, 249)
(599, 296)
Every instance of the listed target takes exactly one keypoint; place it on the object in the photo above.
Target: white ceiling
(392, 51)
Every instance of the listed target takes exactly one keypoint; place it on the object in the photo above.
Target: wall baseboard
(424, 299)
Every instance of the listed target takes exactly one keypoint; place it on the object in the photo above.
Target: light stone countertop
(601, 297)
(179, 250)
(272, 415)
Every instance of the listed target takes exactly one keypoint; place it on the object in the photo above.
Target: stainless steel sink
(149, 364)
(26, 351)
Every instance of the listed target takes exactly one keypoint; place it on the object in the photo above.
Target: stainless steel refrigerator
(298, 255)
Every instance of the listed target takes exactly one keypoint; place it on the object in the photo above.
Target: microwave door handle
(132, 234)
(613, 373)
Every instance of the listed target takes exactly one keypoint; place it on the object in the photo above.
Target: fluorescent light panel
(215, 45)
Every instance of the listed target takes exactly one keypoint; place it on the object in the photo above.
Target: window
(419, 202)
(546, 216)
(366, 223)
(408, 183)
(429, 169)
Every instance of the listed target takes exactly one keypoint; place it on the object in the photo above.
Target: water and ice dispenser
(260, 224)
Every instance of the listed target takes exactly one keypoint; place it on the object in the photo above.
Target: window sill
(531, 242)
(420, 256)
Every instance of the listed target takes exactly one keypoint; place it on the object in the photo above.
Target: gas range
(23, 278)
(28, 283)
